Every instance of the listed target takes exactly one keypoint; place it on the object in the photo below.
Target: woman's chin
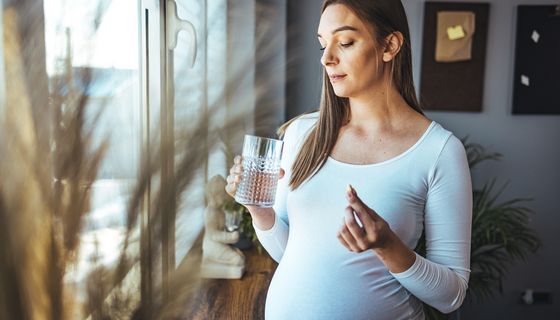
(341, 93)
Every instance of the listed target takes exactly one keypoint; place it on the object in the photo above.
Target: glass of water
(261, 170)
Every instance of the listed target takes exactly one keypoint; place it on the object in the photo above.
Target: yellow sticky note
(456, 32)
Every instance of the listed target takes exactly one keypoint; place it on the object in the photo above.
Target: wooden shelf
(235, 299)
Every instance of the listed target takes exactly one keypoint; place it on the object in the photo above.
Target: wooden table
(236, 299)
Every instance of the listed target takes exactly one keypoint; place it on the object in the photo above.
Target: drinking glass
(261, 170)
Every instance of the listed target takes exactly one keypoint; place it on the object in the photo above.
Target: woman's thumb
(282, 172)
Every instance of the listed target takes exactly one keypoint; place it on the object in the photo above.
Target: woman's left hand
(374, 233)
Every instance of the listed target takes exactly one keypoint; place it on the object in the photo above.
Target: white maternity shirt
(428, 186)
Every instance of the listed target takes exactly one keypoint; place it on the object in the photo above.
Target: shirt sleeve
(441, 279)
(275, 239)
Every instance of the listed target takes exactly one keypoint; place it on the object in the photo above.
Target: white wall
(530, 143)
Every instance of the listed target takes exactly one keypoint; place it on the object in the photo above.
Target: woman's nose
(329, 57)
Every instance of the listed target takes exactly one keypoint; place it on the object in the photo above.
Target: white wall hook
(174, 26)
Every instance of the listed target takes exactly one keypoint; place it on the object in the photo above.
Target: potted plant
(501, 235)
(237, 214)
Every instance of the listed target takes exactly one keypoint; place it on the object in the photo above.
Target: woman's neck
(378, 110)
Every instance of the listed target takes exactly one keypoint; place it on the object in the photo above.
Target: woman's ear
(393, 44)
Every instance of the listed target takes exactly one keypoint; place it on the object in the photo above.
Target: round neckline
(395, 158)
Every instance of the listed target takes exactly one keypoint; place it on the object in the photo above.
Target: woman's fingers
(231, 189)
(342, 241)
(236, 169)
(358, 205)
(355, 230)
(234, 177)
(232, 183)
(362, 228)
(349, 240)
(376, 231)
(282, 173)
(368, 222)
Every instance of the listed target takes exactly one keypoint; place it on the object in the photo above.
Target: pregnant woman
(362, 178)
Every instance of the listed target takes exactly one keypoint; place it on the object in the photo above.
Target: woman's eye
(344, 45)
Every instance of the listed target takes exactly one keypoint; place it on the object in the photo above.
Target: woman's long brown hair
(387, 17)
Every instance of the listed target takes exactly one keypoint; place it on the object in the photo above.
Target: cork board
(455, 85)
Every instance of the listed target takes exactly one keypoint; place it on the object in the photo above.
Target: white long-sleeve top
(427, 186)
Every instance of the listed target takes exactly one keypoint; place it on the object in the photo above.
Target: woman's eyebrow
(343, 28)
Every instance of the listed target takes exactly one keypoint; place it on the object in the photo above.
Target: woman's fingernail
(350, 190)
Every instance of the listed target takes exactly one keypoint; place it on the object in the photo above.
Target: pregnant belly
(353, 286)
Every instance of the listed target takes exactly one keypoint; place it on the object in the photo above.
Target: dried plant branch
(47, 168)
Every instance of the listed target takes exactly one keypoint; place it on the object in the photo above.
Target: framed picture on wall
(536, 80)
(453, 56)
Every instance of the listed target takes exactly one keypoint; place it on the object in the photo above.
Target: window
(145, 87)
(100, 37)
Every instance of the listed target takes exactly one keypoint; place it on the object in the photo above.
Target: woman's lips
(337, 77)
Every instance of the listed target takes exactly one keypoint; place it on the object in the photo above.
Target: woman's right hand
(263, 217)
(235, 176)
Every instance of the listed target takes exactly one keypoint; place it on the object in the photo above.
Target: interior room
(155, 164)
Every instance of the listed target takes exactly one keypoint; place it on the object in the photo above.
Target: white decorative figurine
(219, 259)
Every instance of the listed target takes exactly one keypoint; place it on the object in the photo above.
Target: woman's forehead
(338, 17)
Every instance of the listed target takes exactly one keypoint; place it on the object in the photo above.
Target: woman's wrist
(263, 218)
(396, 256)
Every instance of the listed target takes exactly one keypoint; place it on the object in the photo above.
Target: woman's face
(351, 56)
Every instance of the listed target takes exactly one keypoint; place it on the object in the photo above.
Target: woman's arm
(263, 218)
(441, 280)
(273, 238)
(271, 224)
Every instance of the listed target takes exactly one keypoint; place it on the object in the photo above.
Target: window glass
(100, 37)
